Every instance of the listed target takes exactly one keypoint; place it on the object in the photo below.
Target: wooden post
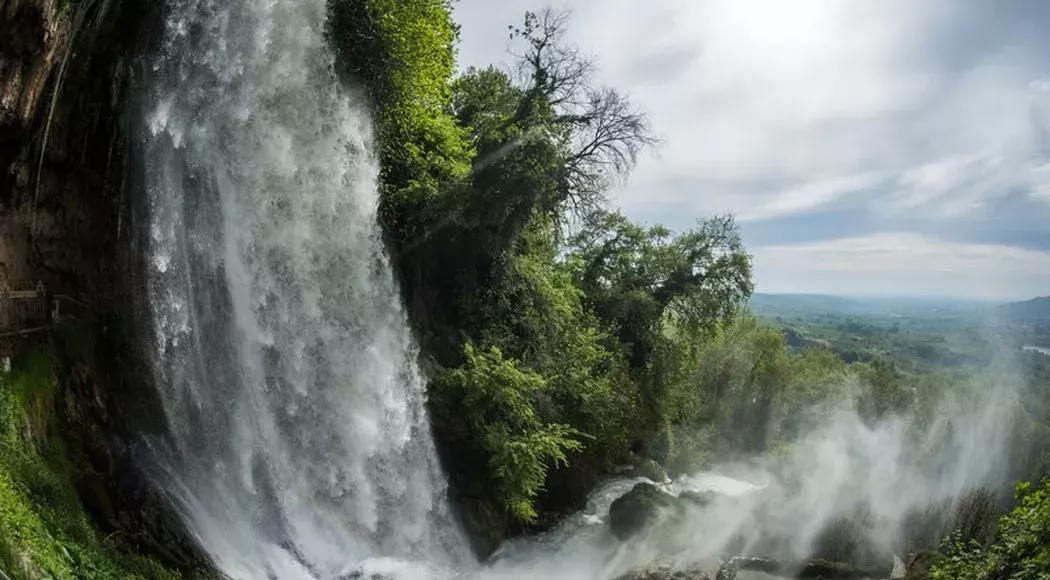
(5, 305)
(43, 305)
(5, 323)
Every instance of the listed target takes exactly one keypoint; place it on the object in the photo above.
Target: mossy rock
(638, 509)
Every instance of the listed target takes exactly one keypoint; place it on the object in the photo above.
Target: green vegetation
(564, 340)
(1021, 550)
(402, 52)
(44, 531)
(518, 444)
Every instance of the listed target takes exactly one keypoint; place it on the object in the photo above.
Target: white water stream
(301, 446)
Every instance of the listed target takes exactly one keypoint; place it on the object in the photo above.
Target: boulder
(814, 568)
(645, 504)
(920, 563)
(638, 509)
(696, 498)
(664, 573)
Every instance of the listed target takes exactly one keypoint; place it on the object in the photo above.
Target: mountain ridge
(1032, 310)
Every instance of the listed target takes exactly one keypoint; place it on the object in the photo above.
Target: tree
(402, 54)
(738, 382)
(640, 278)
(602, 130)
(659, 292)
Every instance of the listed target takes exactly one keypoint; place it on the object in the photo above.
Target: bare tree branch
(605, 132)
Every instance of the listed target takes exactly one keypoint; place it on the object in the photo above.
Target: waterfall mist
(300, 446)
(873, 489)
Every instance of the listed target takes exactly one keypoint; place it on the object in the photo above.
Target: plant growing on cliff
(402, 53)
(499, 399)
(44, 531)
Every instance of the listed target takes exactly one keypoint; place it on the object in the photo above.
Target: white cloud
(901, 263)
(791, 92)
(772, 109)
(1039, 181)
(1041, 85)
(809, 195)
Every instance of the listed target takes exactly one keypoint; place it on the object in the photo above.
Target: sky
(870, 147)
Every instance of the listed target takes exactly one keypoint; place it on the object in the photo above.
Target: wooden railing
(24, 311)
(27, 312)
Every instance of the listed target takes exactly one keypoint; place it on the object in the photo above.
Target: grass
(44, 531)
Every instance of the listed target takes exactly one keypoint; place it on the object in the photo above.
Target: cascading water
(300, 442)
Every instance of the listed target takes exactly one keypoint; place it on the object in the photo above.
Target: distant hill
(1036, 310)
(909, 306)
(803, 302)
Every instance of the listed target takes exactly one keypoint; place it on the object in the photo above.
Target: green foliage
(1020, 552)
(741, 385)
(44, 532)
(885, 392)
(661, 292)
(537, 314)
(499, 398)
(480, 174)
(636, 276)
(43, 529)
(402, 52)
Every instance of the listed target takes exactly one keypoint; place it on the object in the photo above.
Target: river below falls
(581, 547)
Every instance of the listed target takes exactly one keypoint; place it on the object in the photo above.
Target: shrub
(1021, 550)
(499, 399)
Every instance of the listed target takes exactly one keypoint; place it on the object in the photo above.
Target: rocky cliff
(69, 194)
(65, 71)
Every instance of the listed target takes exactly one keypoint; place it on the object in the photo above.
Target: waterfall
(299, 442)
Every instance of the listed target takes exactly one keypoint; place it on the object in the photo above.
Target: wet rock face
(33, 37)
(67, 71)
(68, 195)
